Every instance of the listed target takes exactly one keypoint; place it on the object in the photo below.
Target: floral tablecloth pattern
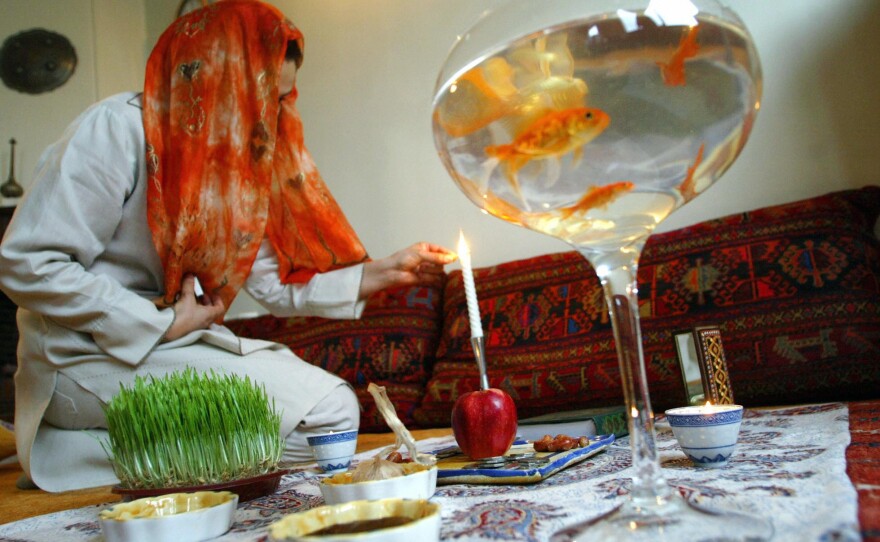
(789, 466)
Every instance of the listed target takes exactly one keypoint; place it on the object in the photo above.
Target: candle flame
(464, 252)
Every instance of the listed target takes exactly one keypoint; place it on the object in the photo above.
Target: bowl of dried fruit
(388, 473)
(379, 478)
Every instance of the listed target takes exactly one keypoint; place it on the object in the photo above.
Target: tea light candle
(470, 289)
(707, 434)
(702, 410)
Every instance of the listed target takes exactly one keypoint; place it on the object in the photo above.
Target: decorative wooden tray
(520, 465)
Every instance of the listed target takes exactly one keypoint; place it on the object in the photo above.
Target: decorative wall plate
(36, 61)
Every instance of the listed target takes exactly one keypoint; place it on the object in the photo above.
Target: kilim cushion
(391, 345)
(794, 288)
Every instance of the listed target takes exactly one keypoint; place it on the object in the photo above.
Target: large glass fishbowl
(591, 121)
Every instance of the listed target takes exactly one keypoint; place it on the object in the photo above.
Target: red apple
(484, 423)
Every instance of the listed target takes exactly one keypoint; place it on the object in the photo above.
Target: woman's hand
(421, 263)
(192, 313)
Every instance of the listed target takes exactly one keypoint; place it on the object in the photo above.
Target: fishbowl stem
(617, 274)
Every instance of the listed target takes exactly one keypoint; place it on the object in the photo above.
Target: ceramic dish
(419, 482)
(706, 434)
(333, 451)
(417, 520)
(182, 517)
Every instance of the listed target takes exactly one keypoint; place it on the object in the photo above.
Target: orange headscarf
(226, 160)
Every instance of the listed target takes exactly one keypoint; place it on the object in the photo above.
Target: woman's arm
(63, 226)
(342, 293)
(330, 295)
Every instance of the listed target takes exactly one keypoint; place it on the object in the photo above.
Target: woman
(203, 177)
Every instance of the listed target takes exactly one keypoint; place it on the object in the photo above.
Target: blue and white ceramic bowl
(333, 451)
(706, 434)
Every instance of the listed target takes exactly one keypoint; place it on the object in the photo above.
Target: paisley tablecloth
(789, 466)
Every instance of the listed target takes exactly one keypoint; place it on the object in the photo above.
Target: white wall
(108, 36)
(370, 68)
(366, 85)
(36, 120)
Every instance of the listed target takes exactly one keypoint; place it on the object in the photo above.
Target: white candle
(470, 290)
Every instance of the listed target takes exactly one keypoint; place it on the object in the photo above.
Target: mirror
(703, 366)
(690, 368)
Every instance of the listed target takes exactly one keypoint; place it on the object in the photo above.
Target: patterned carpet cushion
(795, 289)
(392, 345)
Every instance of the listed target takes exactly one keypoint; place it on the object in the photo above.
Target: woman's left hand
(421, 263)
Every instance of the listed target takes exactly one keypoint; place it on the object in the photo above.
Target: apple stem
(480, 356)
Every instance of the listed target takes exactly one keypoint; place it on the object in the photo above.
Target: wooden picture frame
(703, 365)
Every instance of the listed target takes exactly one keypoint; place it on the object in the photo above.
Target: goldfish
(551, 136)
(548, 56)
(481, 96)
(515, 89)
(542, 96)
(673, 71)
(688, 188)
(597, 196)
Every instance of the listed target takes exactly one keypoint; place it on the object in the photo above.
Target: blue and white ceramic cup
(333, 451)
(706, 434)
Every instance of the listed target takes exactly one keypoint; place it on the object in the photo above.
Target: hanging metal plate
(36, 61)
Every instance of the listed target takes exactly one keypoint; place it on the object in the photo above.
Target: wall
(368, 77)
(370, 69)
(366, 87)
(108, 36)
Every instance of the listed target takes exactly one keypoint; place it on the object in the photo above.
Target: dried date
(560, 443)
(397, 457)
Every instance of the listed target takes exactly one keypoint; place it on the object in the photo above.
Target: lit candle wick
(470, 290)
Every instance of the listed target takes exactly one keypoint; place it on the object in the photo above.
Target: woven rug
(789, 467)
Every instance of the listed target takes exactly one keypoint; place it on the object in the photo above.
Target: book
(587, 422)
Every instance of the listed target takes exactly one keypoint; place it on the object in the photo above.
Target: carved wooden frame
(711, 361)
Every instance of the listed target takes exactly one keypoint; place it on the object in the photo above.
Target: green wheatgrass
(189, 429)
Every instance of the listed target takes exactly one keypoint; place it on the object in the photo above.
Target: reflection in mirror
(690, 368)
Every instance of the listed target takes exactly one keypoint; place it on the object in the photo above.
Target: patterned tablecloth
(789, 466)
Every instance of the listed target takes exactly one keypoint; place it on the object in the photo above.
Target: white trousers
(67, 453)
(74, 407)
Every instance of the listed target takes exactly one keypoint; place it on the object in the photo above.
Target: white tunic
(78, 259)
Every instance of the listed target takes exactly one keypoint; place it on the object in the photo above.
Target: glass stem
(617, 274)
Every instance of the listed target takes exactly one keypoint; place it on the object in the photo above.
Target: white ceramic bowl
(182, 517)
(419, 482)
(707, 435)
(422, 522)
(333, 451)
